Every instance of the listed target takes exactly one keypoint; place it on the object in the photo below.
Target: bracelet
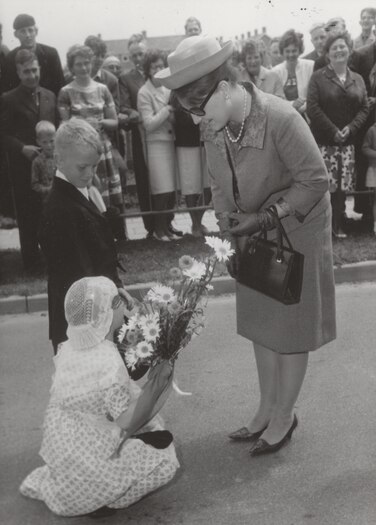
(266, 219)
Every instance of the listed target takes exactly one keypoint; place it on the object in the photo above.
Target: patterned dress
(84, 468)
(89, 103)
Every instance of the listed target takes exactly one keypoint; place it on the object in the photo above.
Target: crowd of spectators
(332, 88)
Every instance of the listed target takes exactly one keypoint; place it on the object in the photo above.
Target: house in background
(119, 47)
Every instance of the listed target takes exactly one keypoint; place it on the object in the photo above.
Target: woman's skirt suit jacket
(278, 156)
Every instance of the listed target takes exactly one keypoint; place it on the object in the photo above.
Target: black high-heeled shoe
(243, 434)
(262, 447)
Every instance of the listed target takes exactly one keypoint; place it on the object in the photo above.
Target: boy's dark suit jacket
(77, 242)
(51, 72)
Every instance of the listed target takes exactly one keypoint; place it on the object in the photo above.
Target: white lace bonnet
(88, 311)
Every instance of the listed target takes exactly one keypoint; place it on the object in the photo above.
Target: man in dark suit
(51, 73)
(21, 109)
(318, 38)
(76, 238)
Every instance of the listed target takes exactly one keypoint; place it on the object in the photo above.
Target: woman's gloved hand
(250, 223)
(244, 223)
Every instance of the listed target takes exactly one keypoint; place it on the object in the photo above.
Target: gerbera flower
(223, 250)
(131, 337)
(131, 358)
(196, 272)
(174, 307)
(175, 272)
(144, 349)
(186, 262)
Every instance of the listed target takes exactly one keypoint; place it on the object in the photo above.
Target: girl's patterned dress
(83, 469)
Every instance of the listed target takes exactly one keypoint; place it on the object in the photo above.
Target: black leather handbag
(272, 268)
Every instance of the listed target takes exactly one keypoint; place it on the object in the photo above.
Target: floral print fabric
(340, 163)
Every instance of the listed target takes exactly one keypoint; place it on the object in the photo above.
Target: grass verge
(150, 260)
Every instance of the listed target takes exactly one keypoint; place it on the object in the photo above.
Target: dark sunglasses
(199, 110)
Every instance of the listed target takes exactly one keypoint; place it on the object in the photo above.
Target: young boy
(76, 238)
(43, 167)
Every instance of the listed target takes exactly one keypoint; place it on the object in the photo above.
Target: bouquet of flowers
(171, 314)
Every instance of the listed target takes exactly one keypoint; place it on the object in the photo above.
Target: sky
(62, 23)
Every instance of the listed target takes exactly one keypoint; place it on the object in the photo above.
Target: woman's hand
(244, 223)
(345, 132)
(338, 138)
(298, 103)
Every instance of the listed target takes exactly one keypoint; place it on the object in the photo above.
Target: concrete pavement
(325, 476)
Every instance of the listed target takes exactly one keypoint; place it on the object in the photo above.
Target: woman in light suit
(157, 121)
(277, 163)
(294, 72)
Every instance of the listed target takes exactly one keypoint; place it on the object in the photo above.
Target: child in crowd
(43, 167)
(369, 150)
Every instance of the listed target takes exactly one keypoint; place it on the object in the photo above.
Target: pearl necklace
(235, 140)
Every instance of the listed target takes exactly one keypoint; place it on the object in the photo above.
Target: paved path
(325, 476)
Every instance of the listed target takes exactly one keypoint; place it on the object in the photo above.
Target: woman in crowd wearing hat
(277, 163)
(102, 447)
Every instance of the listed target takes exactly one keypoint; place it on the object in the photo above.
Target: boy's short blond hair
(76, 132)
(44, 127)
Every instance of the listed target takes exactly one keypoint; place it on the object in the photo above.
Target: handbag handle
(281, 233)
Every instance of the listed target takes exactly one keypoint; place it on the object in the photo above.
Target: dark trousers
(142, 179)
(28, 209)
(338, 201)
(6, 194)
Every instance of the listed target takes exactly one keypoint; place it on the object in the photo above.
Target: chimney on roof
(264, 30)
(248, 34)
(144, 34)
(256, 32)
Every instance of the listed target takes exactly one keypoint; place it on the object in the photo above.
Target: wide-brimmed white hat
(194, 57)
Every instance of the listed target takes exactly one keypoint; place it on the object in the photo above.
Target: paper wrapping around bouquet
(142, 413)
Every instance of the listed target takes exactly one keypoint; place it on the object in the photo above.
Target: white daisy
(144, 349)
(132, 323)
(151, 332)
(223, 250)
(162, 294)
(121, 333)
(196, 272)
(212, 241)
